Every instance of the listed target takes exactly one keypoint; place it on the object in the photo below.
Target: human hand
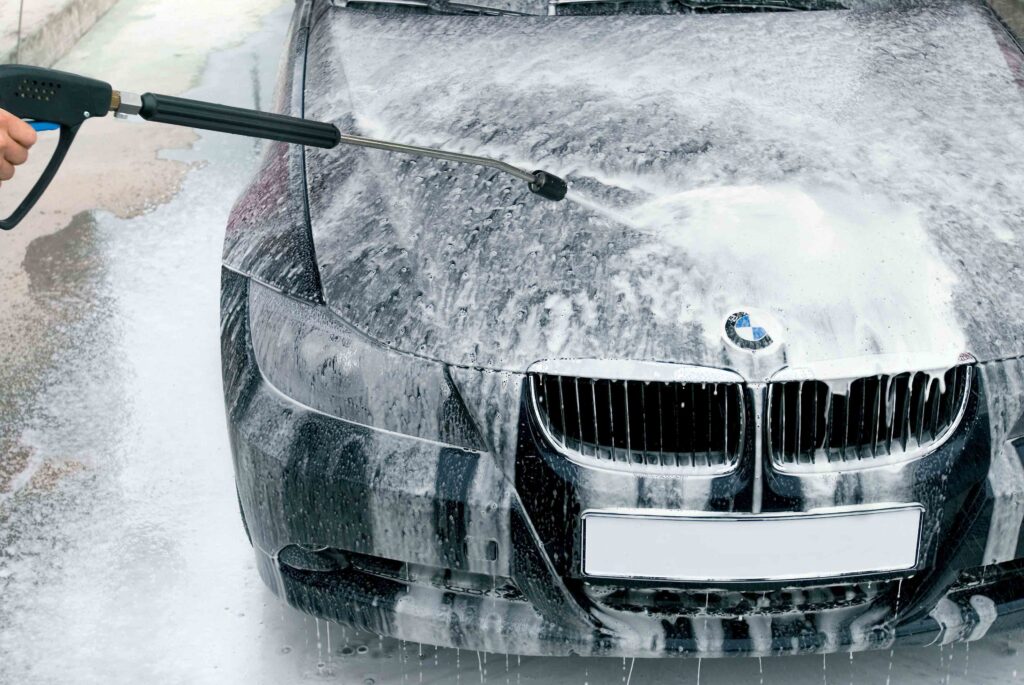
(16, 137)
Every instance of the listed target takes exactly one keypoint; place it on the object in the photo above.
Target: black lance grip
(167, 109)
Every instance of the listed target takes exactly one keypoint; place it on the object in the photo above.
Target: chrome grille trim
(633, 370)
(663, 426)
(879, 420)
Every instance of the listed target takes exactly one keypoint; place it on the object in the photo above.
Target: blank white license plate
(737, 547)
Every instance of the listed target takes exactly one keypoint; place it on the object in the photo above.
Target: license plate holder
(731, 548)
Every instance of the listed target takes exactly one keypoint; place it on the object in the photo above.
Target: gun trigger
(41, 126)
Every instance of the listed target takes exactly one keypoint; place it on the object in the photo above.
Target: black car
(755, 387)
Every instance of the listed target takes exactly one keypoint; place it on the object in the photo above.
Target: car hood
(851, 178)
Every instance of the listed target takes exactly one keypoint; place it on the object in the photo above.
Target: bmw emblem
(748, 331)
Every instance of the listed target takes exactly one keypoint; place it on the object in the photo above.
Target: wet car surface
(123, 555)
(462, 416)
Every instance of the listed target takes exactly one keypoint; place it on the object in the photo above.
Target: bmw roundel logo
(748, 332)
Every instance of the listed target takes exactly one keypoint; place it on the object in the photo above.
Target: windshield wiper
(425, 7)
(597, 7)
(602, 7)
(761, 5)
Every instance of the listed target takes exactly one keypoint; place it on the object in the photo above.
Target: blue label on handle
(41, 126)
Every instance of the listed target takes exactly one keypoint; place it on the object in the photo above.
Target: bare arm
(16, 137)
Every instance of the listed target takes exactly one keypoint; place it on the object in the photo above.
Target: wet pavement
(122, 555)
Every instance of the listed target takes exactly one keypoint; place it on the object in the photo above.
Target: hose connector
(124, 104)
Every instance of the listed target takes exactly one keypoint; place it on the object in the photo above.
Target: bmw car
(755, 387)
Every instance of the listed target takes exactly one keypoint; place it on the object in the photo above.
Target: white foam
(949, 616)
(1006, 478)
(823, 253)
(987, 614)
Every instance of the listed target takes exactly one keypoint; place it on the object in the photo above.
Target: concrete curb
(45, 41)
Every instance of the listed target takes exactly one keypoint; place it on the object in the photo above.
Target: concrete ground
(122, 556)
(115, 166)
(1012, 12)
(40, 32)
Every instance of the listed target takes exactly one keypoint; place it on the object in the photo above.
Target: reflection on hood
(856, 175)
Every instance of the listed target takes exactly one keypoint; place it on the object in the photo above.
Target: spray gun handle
(49, 99)
(48, 95)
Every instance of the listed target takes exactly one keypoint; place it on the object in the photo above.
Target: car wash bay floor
(122, 557)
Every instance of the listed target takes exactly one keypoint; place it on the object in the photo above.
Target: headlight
(315, 359)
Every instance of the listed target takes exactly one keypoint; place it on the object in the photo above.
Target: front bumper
(427, 541)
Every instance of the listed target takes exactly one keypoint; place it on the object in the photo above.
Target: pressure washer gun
(56, 100)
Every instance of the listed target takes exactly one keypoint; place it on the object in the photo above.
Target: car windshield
(593, 7)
